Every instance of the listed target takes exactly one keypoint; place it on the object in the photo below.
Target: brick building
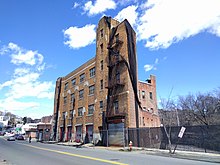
(104, 92)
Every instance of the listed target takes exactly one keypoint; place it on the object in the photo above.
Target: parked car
(11, 138)
(20, 137)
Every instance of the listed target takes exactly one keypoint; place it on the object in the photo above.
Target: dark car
(20, 137)
(11, 138)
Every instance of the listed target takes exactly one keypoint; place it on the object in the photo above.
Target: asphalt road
(22, 152)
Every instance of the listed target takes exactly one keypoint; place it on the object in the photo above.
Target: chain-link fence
(203, 138)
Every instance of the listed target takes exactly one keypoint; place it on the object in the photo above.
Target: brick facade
(100, 93)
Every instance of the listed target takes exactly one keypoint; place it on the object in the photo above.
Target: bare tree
(202, 109)
(169, 117)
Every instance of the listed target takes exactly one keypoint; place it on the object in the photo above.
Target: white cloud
(148, 67)
(165, 22)
(36, 90)
(128, 13)
(75, 5)
(21, 71)
(11, 105)
(29, 57)
(24, 79)
(99, 6)
(22, 56)
(5, 84)
(80, 37)
(25, 89)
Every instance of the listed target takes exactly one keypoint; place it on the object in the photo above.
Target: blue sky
(178, 41)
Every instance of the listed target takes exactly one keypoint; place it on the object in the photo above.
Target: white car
(11, 138)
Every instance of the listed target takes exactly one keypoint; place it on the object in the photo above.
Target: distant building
(29, 129)
(4, 120)
(46, 119)
(44, 131)
(104, 93)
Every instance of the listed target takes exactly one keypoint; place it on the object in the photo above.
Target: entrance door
(62, 133)
(78, 133)
(69, 133)
(89, 130)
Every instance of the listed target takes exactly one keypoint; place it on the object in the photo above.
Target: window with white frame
(82, 77)
(92, 72)
(143, 94)
(116, 108)
(90, 109)
(81, 92)
(66, 86)
(73, 82)
(80, 111)
(91, 90)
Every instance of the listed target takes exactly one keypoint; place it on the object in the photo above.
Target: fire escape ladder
(114, 83)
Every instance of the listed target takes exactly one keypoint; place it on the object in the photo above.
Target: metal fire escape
(115, 82)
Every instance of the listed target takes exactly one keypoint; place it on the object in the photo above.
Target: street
(22, 152)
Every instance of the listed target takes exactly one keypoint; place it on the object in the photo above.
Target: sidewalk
(200, 156)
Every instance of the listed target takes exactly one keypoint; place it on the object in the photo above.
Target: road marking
(76, 155)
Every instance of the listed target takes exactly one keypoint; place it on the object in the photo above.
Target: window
(92, 72)
(151, 95)
(64, 100)
(71, 114)
(118, 76)
(72, 97)
(139, 93)
(66, 86)
(101, 65)
(73, 82)
(101, 33)
(101, 47)
(117, 57)
(117, 37)
(143, 94)
(116, 107)
(101, 84)
(90, 109)
(92, 90)
(64, 115)
(82, 77)
(80, 111)
(81, 92)
(101, 104)
(151, 110)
